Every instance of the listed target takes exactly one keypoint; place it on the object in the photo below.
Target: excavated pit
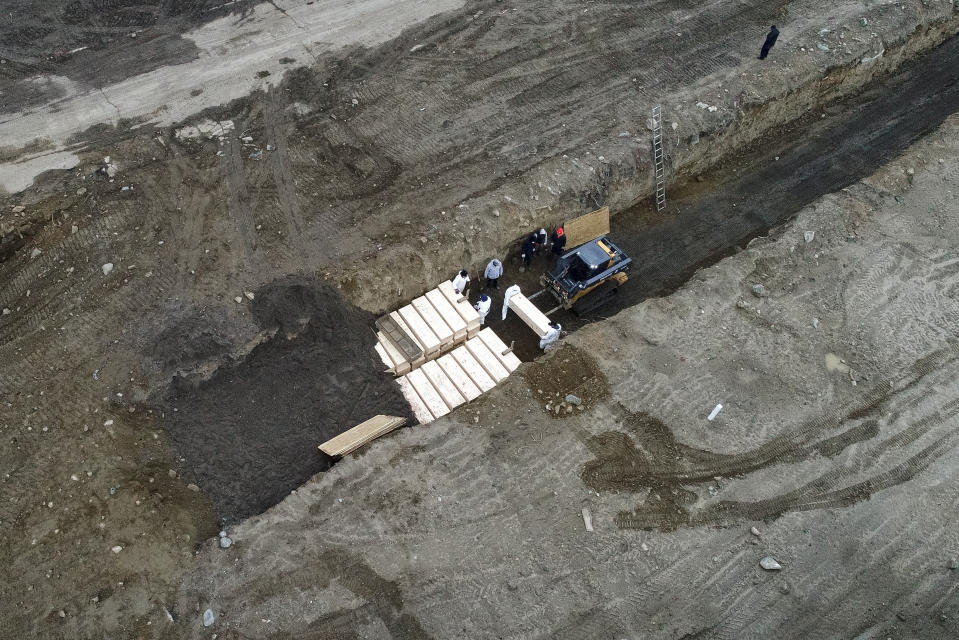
(248, 435)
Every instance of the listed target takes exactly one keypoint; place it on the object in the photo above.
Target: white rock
(116, 549)
(754, 531)
(35, 253)
(644, 547)
(223, 534)
(225, 542)
(108, 423)
(248, 294)
(769, 564)
(107, 268)
(208, 617)
(808, 236)
(19, 208)
(238, 299)
(6, 311)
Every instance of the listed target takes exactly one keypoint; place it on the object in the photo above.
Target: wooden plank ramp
(352, 439)
(530, 314)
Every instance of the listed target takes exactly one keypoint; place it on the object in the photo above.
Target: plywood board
(435, 321)
(530, 314)
(354, 438)
(449, 314)
(507, 358)
(487, 359)
(423, 415)
(442, 383)
(456, 374)
(463, 307)
(400, 364)
(420, 329)
(586, 227)
(473, 369)
(430, 396)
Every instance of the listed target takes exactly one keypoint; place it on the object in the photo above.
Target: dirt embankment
(718, 110)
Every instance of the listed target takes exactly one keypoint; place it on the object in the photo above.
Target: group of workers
(534, 244)
(538, 241)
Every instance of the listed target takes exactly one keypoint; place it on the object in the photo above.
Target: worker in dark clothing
(529, 248)
(770, 41)
(558, 240)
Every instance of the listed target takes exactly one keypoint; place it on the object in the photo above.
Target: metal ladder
(658, 158)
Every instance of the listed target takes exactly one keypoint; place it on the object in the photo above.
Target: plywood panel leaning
(586, 227)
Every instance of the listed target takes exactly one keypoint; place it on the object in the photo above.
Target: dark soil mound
(249, 435)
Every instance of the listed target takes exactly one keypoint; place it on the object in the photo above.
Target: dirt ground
(421, 138)
(836, 442)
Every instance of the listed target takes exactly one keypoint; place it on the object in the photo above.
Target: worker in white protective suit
(482, 307)
(512, 291)
(460, 281)
(551, 336)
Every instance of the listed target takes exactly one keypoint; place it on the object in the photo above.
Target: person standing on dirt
(494, 270)
(482, 307)
(460, 281)
(558, 241)
(529, 249)
(771, 38)
(541, 238)
(551, 336)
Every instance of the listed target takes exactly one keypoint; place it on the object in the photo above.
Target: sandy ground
(263, 42)
(836, 441)
(379, 170)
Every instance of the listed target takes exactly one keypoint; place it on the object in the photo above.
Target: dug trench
(248, 434)
(757, 188)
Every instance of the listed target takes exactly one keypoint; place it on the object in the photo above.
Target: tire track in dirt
(620, 465)
(276, 124)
